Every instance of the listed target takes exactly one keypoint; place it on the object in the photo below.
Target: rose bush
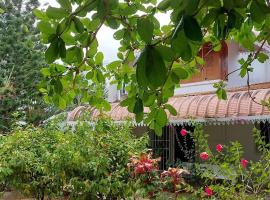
(226, 174)
(149, 182)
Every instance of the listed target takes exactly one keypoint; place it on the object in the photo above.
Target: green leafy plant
(88, 162)
(149, 182)
(225, 174)
(167, 53)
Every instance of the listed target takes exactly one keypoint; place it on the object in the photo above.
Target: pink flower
(139, 169)
(219, 148)
(183, 132)
(244, 163)
(204, 156)
(148, 166)
(208, 191)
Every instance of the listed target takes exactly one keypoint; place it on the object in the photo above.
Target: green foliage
(168, 53)
(85, 162)
(21, 58)
(221, 92)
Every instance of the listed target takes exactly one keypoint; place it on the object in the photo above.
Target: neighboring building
(224, 121)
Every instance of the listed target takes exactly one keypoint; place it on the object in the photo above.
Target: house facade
(223, 120)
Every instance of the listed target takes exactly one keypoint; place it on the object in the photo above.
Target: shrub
(226, 174)
(87, 163)
(148, 181)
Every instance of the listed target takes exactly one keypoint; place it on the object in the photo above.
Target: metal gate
(163, 147)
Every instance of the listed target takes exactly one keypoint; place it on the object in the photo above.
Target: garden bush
(227, 174)
(105, 161)
(220, 174)
(86, 162)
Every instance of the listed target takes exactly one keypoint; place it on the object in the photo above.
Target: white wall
(261, 72)
(113, 93)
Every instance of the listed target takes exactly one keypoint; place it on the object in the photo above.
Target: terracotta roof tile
(201, 106)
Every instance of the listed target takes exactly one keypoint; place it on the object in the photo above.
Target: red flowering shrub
(143, 164)
(244, 163)
(150, 181)
(219, 148)
(204, 156)
(226, 174)
(208, 191)
(144, 171)
(172, 179)
(183, 132)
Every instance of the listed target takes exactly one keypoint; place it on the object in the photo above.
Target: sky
(107, 44)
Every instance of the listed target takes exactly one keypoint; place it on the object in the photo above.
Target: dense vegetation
(21, 58)
(105, 161)
(87, 163)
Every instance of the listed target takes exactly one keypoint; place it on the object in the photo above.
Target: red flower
(183, 132)
(139, 169)
(208, 191)
(151, 194)
(204, 156)
(219, 148)
(244, 163)
(148, 166)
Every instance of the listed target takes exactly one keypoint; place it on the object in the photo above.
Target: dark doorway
(172, 147)
(184, 145)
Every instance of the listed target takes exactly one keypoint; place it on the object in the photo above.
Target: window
(216, 64)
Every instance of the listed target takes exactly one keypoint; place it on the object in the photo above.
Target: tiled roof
(202, 107)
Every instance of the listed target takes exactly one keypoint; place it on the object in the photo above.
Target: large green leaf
(158, 129)
(65, 4)
(78, 25)
(155, 69)
(141, 69)
(258, 11)
(62, 48)
(221, 93)
(56, 13)
(163, 5)
(161, 117)
(145, 29)
(74, 55)
(112, 23)
(166, 52)
(180, 72)
(181, 47)
(138, 108)
(52, 52)
(171, 109)
(118, 35)
(191, 6)
(45, 27)
(192, 29)
(99, 58)
(148, 99)
(40, 14)
(210, 17)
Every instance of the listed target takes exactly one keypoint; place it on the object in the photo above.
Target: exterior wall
(140, 130)
(113, 93)
(224, 134)
(260, 74)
